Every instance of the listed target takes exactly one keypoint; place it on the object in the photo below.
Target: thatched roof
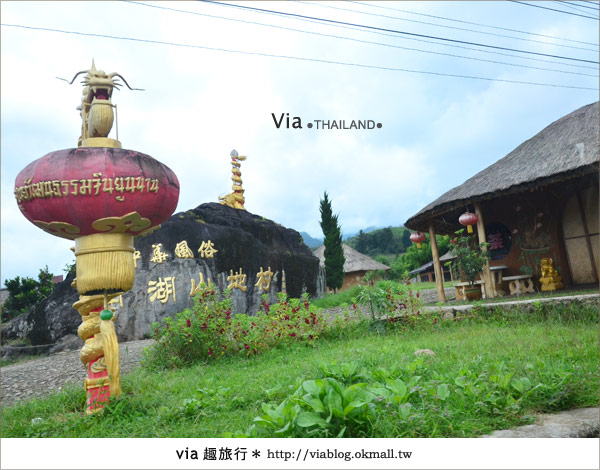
(354, 262)
(565, 149)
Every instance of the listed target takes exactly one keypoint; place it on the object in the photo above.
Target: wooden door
(580, 230)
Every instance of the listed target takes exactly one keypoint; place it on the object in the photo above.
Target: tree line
(392, 247)
(25, 292)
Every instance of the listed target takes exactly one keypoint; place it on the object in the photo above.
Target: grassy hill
(389, 242)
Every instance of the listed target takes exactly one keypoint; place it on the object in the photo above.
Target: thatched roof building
(356, 265)
(564, 150)
(540, 201)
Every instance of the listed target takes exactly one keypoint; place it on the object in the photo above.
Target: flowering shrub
(208, 330)
(391, 302)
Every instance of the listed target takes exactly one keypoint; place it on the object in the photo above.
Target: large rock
(162, 288)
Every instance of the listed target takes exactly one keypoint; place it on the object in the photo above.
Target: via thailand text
(295, 122)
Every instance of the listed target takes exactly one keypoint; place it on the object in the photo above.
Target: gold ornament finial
(96, 108)
(236, 198)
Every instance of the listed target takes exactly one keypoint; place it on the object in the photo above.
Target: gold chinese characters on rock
(196, 288)
(162, 289)
(237, 280)
(182, 250)
(157, 254)
(207, 249)
(264, 279)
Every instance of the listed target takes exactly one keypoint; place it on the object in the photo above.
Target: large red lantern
(469, 219)
(79, 193)
(418, 238)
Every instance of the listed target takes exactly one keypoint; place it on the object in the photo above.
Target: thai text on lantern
(418, 238)
(469, 219)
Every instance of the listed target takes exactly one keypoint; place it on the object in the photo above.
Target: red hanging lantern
(469, 219)
(418, 238)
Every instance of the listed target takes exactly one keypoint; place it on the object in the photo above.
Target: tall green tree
(406, 239)
(334, 251)
(25, 292)
(362, 242)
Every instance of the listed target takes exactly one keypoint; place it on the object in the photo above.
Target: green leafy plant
(319, 408)
(469, 262)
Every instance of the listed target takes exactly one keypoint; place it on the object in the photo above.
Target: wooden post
(439, 276)
(487, 274)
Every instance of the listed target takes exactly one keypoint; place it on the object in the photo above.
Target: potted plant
(469, 262)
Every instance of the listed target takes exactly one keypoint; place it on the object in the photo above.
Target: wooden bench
(519, 284)
(459, 288)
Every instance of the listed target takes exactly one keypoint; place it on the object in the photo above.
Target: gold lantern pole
(104, 260)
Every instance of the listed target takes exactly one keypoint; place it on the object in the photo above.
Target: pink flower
(210, 351)
(435, 320)
(246, 346)
(189, 322)
(292, 334)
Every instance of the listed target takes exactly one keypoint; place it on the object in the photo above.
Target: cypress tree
(334, 251)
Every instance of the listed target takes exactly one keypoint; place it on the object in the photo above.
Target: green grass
(555, 347)
(345, 297)
(419, 286)
(338, 299)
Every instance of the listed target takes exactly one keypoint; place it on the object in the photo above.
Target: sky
(215, 75)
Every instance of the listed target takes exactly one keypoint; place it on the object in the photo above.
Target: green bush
(209, 330)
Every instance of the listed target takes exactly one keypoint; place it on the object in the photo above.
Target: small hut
(356, 265)
(539, 201)
(425, 273)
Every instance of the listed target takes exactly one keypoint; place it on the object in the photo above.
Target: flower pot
(472, 292)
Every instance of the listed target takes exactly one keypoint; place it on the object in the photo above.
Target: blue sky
(200, 103)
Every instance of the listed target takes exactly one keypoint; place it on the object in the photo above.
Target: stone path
(583, 422)
(39, 377)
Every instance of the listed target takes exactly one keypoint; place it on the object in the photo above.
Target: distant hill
(310, 241)
(382, 241)
(348, 236)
